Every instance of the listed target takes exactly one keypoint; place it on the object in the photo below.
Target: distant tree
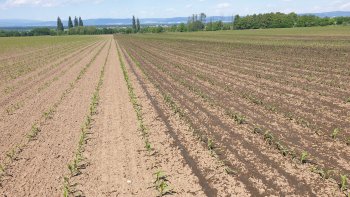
(41, 31)
(138, 25)
(81, 24)
(70, 23)
(236, 22)
(76, 23)
(195, 24)
(202, 17)
(59, 24)
(181, 27)
(134, 27)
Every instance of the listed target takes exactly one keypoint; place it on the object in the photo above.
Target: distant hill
(331, 14)
(127, 21)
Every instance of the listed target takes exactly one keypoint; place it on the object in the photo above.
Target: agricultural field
(228, 113)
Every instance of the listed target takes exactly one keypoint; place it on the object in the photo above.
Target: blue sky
(50, 9)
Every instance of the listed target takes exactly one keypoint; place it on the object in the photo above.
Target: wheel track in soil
(53, 147)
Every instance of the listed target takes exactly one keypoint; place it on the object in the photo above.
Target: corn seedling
(258, 130)
(163, 188)
(229, 170)
(11, 154)
(33, 132)
(283, 149)
(66, 190)
(348, 100)
(324, 173)
(268, 137)
(161, 184)
(335, 133)
(148, 146)
(240, 119)
(2, 169)
(343, 182)
(348, 141)
(159, 176)
(49, 114)
(304, 156)
(210, 144)
(73, 168)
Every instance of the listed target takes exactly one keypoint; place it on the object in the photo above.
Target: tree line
(196, 22)
(281, 20)
(199, 22)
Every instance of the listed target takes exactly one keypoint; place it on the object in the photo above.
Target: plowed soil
(176, 115)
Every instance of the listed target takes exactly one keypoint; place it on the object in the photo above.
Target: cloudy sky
(50, 9)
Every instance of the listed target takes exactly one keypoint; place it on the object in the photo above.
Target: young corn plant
(343, 182)
(335, 133)
(268, 137)
(2, 169)
(66, 189)
(33, 132)
(210, 144)
(324, 173)
(229, 170)
(73, 168)
(283, 149)
(11, 154)
(48, 115)
(304, 156)
(161, 184)
(148, 146)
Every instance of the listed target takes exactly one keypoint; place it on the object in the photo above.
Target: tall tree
(134, 24)
(81, 22)
(203, 17)
(70, 23)
(138, 25)
(59, 24)
(76, 23)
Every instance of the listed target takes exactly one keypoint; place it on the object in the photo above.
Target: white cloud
(345, 6)
(42, 3)
(223, 5)
(189, 6)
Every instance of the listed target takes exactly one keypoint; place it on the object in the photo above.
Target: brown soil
(184, 91)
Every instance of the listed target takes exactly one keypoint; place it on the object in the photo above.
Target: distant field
(20, 44)
(314, 36)
(275, 103)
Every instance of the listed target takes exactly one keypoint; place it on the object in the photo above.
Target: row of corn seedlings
(77, 163)
(161, 183)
